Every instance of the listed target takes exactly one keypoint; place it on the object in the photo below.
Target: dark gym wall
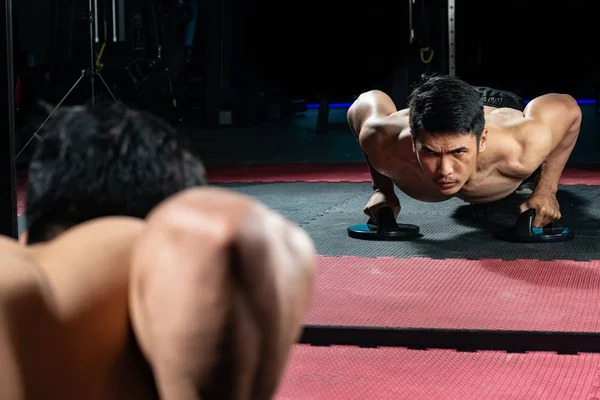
(316, 47)
(526, 46)
(531, 47)
(8, 194)
(33, 29)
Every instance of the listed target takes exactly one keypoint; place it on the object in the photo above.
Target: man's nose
(445, 166)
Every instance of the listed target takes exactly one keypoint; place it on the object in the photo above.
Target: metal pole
(451, 37)
(114, 20)
(93, 10)
(410, 22)
(95, 20)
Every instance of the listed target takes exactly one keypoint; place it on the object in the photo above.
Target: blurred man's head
(107, 160)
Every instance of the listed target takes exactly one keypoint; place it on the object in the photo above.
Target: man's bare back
(64, 316)
(207, 267)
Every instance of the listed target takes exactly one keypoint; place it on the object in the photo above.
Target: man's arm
(362, 118)
(561, 115)
(220, 287)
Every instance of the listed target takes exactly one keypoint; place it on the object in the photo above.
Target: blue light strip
(346, 105)
(332, 105)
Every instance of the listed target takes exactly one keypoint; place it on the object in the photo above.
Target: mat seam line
(329, 209)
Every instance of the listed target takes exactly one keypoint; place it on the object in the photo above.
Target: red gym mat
(351, 373)
(562, 296)
(338, 173)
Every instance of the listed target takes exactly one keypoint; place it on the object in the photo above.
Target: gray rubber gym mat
(449, 229)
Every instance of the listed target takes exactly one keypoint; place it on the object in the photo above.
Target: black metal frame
(456, 339)
(8, 169)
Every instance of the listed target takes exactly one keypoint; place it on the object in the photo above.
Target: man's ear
(482, 140)
(23, 238)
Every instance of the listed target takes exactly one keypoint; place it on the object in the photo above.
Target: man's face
(448, 160)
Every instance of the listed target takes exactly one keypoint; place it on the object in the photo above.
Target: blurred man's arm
(219, 292)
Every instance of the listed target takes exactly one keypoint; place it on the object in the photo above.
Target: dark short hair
(108, 160)
(440, 104)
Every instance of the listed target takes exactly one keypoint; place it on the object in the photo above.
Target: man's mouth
(446, 185)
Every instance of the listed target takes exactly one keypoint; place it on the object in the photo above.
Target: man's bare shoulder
(217, 211)
(224, 217)
(92, 257)
(9, 245)
(105, 228)
(20, 273)
(210, 209)
(522, 142)
(88, 240)
(525, 130)
(534, 138)
(385, 130)
(387, 125)
(91, 239)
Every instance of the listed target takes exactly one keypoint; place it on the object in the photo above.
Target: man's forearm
(357, 115)
(554, 165)
(379, 182)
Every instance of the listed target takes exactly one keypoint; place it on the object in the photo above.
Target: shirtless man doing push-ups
(452, 141)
